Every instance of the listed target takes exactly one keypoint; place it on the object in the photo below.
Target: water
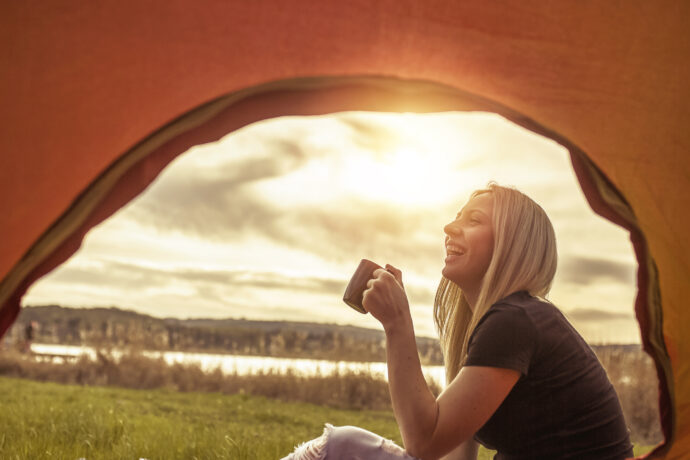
(245, 365)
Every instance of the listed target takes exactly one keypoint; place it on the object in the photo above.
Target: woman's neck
(471, 298)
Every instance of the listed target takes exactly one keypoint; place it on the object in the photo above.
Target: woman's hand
(385, 297)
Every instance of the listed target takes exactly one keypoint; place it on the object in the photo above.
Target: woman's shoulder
(548, 322)
(540, 313)
(524, 301)
(513, 311)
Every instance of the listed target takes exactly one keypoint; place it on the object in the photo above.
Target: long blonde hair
(524, 258)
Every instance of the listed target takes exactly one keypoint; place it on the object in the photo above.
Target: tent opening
(267, 224)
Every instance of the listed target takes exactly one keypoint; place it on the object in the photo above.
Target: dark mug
(354, 292)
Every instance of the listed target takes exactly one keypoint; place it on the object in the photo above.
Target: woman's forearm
(415, 407)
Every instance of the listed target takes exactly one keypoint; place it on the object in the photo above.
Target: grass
(212, 415)
(43, 420)
(49, 420)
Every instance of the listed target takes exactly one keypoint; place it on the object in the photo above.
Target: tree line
(114, 327)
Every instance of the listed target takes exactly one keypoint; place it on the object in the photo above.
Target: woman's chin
(447, 272)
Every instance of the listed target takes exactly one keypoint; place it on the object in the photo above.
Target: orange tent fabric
(97, 97)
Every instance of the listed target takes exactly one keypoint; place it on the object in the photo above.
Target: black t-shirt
(563, 406)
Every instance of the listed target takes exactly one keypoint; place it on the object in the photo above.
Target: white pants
(348, 443)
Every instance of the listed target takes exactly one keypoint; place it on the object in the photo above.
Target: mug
(358, 284)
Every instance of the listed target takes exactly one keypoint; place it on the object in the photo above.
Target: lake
(243, 365)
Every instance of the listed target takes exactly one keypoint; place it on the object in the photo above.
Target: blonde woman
(520, 379)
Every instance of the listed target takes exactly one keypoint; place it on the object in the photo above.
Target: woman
(521, 380)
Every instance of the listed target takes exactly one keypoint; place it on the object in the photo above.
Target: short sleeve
(505, 337)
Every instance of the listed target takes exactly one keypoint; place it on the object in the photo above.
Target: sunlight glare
(402, 177)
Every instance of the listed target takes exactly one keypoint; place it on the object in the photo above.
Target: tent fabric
(85, 86)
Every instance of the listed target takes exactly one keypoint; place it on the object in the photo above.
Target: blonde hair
(524, 258)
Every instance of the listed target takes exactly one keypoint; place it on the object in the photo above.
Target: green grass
(55, 421)
(49, 420)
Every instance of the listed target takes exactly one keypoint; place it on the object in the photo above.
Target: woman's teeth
(454, 250)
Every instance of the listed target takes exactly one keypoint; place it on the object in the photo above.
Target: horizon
(240, 319)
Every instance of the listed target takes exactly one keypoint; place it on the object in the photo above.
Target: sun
(404, 176)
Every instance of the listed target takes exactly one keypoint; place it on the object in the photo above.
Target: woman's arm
(466, 451)
(430, 427)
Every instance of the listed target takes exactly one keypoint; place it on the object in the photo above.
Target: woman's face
(470, 243)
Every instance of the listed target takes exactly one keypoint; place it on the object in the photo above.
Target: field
(137, 407)
(43, 420)
(48, 420)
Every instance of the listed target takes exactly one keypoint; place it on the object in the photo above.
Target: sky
(271, 221)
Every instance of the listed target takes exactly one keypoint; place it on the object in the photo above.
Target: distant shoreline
(113, 327)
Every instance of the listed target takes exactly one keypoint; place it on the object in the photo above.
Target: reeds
(342, 389)
(634, 377)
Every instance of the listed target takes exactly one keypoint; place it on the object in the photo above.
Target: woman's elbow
(432, 449)
(420, 454)
(422, 450)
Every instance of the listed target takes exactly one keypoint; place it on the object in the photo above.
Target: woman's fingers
(372, 281)
(379, 285)
(396, 273)
(385, 296)
(381, 274)
(371, 286)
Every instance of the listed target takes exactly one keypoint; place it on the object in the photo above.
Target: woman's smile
(454, 254)
(454, 250)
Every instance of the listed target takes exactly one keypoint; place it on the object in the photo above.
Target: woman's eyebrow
(471, 210)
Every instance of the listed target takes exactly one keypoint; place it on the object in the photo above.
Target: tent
(97, 97)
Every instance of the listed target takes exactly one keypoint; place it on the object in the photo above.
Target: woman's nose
(452, 228)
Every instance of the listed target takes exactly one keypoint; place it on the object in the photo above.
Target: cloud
(224, 288)
(369, 133)
(582, 270)
(222, 203)
(209, 211)
(131, 276)
(216, 203)
(224, 211)
(233, 164)
(351, 228)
